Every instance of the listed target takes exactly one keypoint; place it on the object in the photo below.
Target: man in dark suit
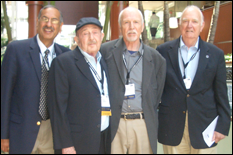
(24, 127)
(195, 90)
(78, 94)
(137, 76)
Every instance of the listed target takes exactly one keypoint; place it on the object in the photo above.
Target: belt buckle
(141, 117)
(125, 116)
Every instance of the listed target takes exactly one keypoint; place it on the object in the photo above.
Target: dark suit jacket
(75, 104)
(20, 94)
(206, 98)
(154, 69)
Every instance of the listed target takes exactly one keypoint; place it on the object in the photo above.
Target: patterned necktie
(43, 107)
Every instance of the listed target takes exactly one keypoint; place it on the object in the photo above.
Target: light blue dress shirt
(190, 70)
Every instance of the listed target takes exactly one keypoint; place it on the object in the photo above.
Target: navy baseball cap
(87, 20)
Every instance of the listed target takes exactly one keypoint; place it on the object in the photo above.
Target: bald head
(130, 9)
(192, 7)
(191, 25)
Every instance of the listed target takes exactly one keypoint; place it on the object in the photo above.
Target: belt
(133, 116)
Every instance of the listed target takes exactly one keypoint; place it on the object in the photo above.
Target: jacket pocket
(15, 118)
(211, 113)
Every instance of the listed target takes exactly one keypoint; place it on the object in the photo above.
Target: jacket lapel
(35, 56)
(173, 56)
(103, 64)
(83, 66)
(117, 53)
(147, 70)
(203, 61)
(58, 51)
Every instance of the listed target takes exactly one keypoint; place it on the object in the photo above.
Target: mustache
(132, 31)
(92, 42)
(46, 27)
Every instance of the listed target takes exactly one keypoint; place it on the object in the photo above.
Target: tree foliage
(6, 21)
(4, 41)
(107, 18)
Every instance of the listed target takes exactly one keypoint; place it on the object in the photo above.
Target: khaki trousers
(131, 138)
(44, 140)
(185, 145)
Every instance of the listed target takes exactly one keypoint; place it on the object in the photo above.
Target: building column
(33, 11)
(116, 8)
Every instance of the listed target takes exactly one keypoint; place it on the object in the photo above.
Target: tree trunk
(213, 24)
(144, 33)
(166, 22)
(107, 18)
(8, 28)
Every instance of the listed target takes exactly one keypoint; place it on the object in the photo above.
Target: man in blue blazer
(23, 131)
(195, 91)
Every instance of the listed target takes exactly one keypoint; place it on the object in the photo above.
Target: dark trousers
(153, 31)
(103, 143)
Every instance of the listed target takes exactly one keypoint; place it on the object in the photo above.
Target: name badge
(129, 91)
(188, 82)
(106, 111)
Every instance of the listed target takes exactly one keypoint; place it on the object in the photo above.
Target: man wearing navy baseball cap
(79, 102)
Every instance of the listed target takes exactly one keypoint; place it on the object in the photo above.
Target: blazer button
(38, 123)
(188, 95)
(98, 126)
(184, 112)
(99, 111)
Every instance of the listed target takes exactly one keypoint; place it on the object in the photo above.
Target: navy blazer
(206, 98)
(20, 94)
(75, 104)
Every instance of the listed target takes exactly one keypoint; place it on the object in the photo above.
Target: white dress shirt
(97, 67)
(43, 48)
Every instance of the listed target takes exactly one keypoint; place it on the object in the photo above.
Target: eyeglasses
(46, 20)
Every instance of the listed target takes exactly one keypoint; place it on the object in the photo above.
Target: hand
(69, 150)
(5, 145)
(217, 136)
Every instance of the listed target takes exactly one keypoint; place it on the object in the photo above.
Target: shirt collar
(91, 58)
(43, 48)
(182, 45)
(126, 50)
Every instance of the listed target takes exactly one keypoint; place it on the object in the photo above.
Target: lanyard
(185, 65)
(101, 80)
(128, 71)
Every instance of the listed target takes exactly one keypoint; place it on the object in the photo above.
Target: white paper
(129, 89)
(209, 132)
(188, 82)
(105, 101)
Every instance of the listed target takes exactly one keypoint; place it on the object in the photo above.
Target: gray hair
(129, 8)
(50, 6)
(192, 6)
